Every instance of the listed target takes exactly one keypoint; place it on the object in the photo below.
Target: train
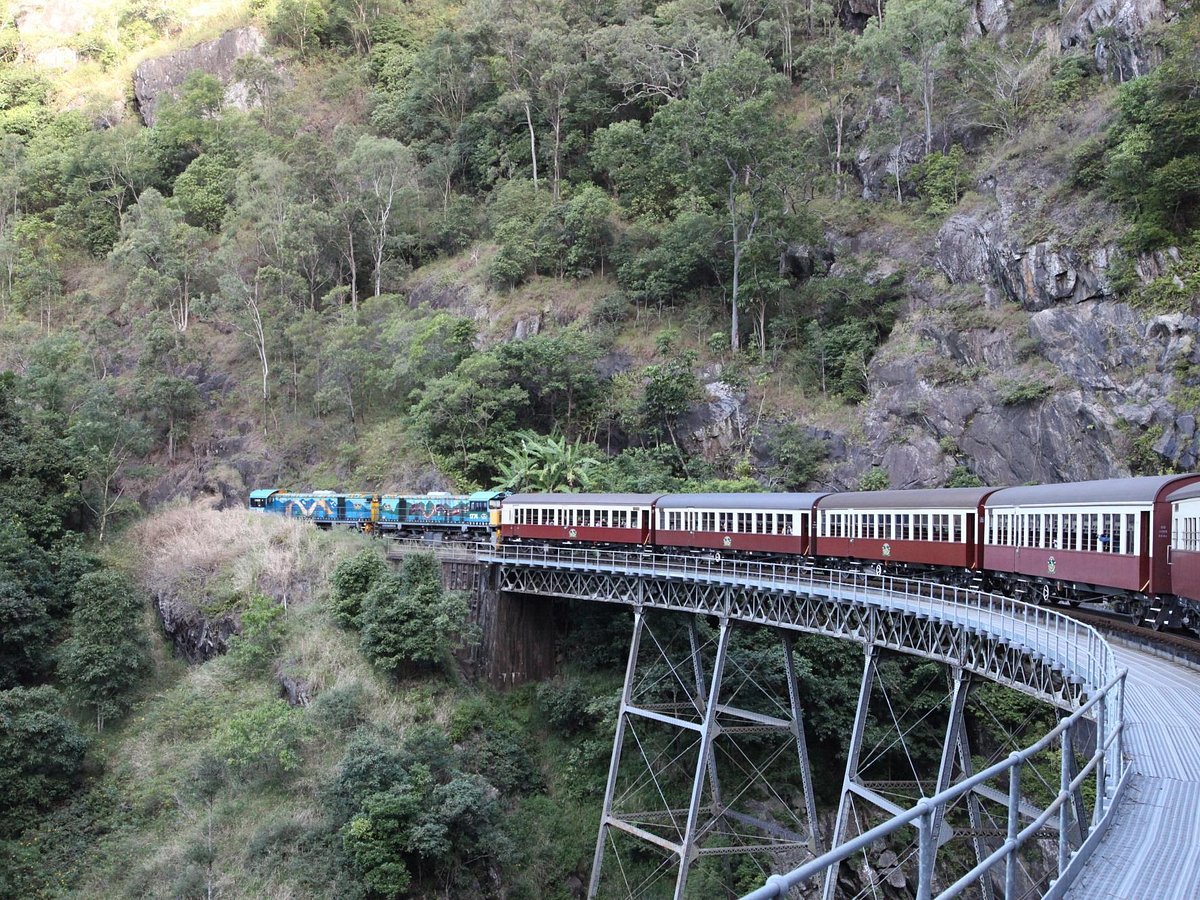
(1133, 543)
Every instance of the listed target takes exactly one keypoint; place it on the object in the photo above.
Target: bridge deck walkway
(1150, 849)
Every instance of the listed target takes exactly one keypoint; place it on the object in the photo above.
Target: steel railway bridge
(685, 799)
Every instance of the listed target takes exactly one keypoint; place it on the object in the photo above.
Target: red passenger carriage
(1083, 539)
(906, 529)
(578, 518)
(767, 524)
(1185, 542)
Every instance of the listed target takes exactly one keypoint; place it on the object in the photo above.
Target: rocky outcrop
(1110, 371)
(989, 17)
(197, 636)
(876, 171)
(802, 261)
(65, 18)
(156, 79)
(718, 423)
(976, 246)
(295, 690)
(1113, 32)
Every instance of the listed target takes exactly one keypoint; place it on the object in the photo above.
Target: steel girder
(1005, 660)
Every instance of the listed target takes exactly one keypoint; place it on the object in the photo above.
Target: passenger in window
(1104, 542)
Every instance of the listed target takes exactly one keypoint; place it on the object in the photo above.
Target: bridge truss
(683, 789)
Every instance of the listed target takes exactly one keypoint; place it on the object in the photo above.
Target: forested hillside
(365, 244)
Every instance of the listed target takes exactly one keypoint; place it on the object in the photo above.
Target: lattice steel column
(679, 716)
(850, 781)
(618, 741)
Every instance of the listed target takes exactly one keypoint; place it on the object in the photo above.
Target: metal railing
(931, 809)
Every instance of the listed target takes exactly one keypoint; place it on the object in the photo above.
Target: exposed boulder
(295, 690)
(197, 637)
(877, 171)
(990, 17)
(1113, 31)
(805, 260)
(162, 77)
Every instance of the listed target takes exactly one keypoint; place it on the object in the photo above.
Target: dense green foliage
(408, 621)
(105, 656)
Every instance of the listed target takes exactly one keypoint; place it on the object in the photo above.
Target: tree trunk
(532, 143)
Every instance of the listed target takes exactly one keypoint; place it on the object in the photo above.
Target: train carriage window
(1109, 538)
(902, 532)
(759, 528)
(725, 522)
(1131, 542)
(743, 523)
(956, 525)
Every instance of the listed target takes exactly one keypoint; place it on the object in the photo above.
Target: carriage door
(341, 508)
(974, 544)
(1145, 538)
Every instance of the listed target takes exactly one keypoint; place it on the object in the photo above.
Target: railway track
(1172, 644)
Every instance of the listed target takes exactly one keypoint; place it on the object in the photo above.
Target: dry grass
(208, 556)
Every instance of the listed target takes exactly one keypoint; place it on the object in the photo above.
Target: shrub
(874, 479)
(341, 708)
(352, 579)
(963, 477)
(264, 740)
(409, 620)
(798, 455)
(259, 639)
(1014, 392)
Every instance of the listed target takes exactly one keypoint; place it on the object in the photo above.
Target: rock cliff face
(162, 77)
(978, 247)
(1114, 32)
(1108, 369)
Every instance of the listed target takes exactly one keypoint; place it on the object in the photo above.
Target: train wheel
(1043, 595)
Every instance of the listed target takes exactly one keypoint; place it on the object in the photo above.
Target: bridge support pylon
(682, 793)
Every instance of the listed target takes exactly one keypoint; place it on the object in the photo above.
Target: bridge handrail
(927, 808)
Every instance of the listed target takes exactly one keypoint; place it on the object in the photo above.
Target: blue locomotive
(439, 514)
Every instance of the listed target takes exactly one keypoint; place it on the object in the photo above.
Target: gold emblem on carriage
(887, 549)
(727, 541)
(1050, 565)
(571, 532)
